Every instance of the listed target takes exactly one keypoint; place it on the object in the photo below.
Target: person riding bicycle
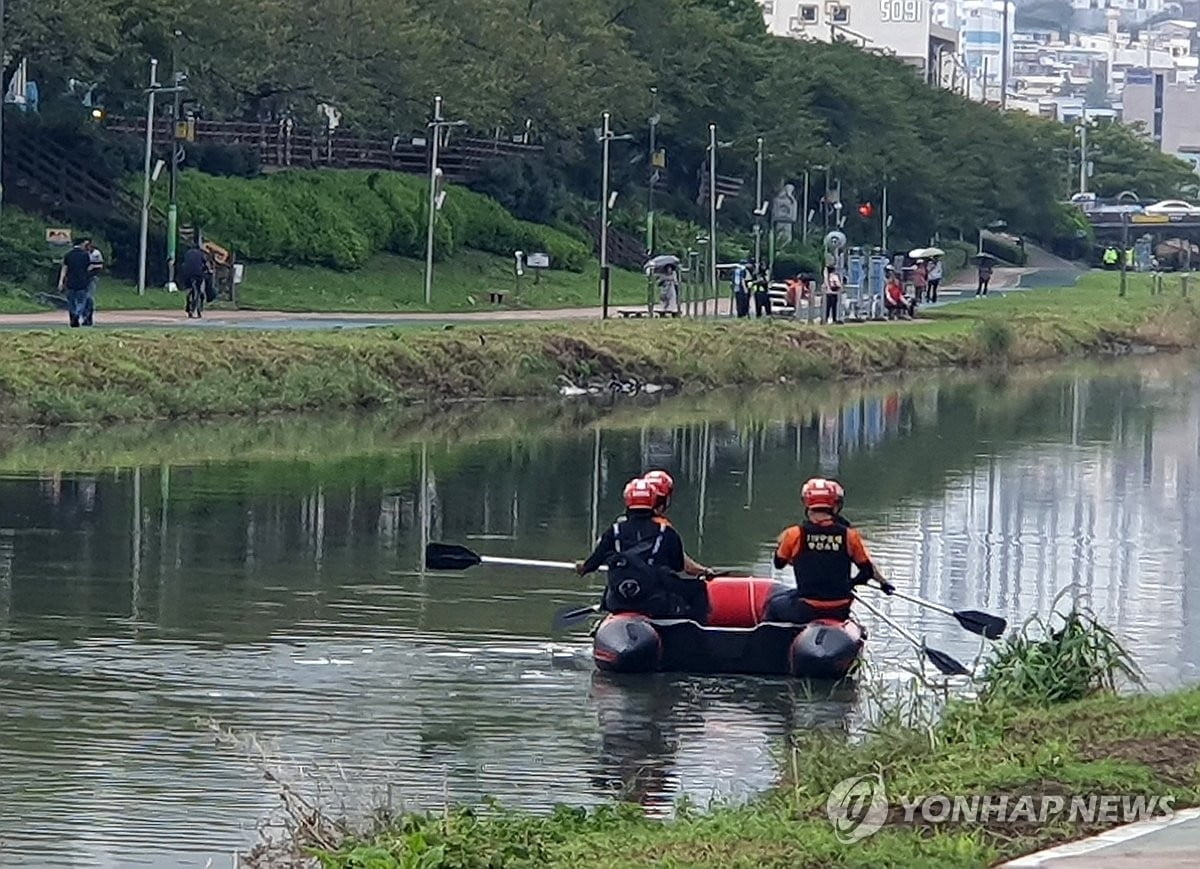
(193, 273)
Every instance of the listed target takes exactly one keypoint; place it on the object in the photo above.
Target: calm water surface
(275, 589)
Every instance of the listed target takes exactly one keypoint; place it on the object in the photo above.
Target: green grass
(1101, 744)
(96, 376)
(386, 284)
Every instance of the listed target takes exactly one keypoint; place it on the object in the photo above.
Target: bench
(643, 313)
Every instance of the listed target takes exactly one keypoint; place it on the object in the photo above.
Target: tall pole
(653, 171)
(758, 201)
(1004, 59)
(3, 91)
(1083, 159)
(826, 209)
(1124, 248)
(143, 238)
(804, 216)
(606, 140)
(883, 239)
(435, 130)
(173, 207)
(712, 210)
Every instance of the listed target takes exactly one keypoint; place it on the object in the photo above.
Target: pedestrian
(985, 277)
(95, 267)
(920, 280)
(762, 292)
(741, 289)
(668, 290)
(833, 295)
(897, 304)
(935, 279)
(74, 278)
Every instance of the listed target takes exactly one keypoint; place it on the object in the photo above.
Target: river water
(184, 607)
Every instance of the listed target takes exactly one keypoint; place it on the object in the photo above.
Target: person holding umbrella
(667, 269)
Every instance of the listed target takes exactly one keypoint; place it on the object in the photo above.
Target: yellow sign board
(659, 159)
(186, 130)
(1149, 218)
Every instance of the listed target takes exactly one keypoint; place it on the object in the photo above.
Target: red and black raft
(734, 639)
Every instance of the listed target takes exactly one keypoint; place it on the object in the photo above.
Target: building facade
(984, 44)
(904, 28)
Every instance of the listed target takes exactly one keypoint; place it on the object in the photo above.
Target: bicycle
(195, 297)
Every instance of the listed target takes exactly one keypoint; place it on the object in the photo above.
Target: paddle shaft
(530, 562)
(892, 622)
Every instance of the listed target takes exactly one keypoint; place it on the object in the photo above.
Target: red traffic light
(866, 209)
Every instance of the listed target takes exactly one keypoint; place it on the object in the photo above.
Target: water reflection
(269, 576)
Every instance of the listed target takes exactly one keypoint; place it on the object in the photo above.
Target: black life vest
(636, 583)
(823, 565)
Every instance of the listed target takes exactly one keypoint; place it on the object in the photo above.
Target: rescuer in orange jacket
(823, 553)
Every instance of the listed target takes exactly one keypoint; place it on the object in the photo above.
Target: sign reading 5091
(905, 11)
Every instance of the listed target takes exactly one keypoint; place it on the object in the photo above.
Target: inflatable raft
(735, 638)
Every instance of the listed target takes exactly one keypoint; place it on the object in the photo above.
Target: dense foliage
(340, 218)
(950, 165)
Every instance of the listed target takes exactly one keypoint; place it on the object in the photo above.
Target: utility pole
(606, 137)
(151, 92)
(884, 220)
(435, 127)
(3, 91)
(435, 132)
(712, 209)
(1083, 157)
(653, 171)
(177, 79)
(1004, 59)
(804, 216)
(758, 202)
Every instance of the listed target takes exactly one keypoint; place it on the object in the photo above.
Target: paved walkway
(1051, 272)
(1165, 844)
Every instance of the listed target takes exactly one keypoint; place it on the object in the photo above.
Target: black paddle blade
(565, 618)
(947, 665)
(985, 624)
(449, 556)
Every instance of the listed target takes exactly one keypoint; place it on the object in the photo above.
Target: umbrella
(983, 256)
(926, 253)
(661, 262)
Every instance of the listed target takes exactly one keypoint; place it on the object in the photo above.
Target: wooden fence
(286, 144)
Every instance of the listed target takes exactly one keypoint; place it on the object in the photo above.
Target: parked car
(1172, 206)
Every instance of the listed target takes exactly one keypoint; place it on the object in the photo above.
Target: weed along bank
(150, 374)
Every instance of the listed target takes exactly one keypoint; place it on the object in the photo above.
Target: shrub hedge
(339, 218)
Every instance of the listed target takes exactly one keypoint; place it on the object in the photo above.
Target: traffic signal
(866, 210)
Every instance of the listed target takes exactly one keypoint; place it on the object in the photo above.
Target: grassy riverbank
(386, 283)
(60, 376)
(1022, 738)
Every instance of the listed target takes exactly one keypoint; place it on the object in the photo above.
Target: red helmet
(662, 482)
(821, 494)
(640, 495)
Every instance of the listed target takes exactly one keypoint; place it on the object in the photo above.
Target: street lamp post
(884, 221)
(435, 127)
(3, 91)
(712, 213)
(654, 119)
(758, 202)
(177, 79)
(151, 92)
(607, 137)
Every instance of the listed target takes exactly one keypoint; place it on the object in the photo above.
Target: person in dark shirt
(644, 556)
(193, 272)
(74, 279)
